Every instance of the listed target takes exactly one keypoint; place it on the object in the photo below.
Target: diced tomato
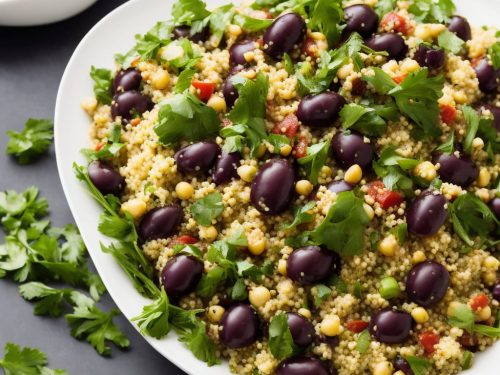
(396, 22)
(183, 240)
(448, 114)
(479, 302)
(400, 78)
(356, 326)
(288, 126)
(386, 198)
(135, 121)
(429, 340)
(204, 90)
(99, 146)
(300, 148)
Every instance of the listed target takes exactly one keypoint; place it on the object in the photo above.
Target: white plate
(115, 33)
(39, 12)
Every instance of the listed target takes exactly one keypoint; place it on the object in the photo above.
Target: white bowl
(115, 33)
(39, 12)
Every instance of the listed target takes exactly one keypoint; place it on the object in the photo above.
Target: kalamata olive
(390, 326)
(487, 76)
(240, 326)
(126, 80)
(459, 171)
(426, 213)
(127, 104)
(197, 158)
(401, 364)
(460, 27)
(495, 292)
(350, 148)
(160, 222)
(320, 109)
(495, 207)
(393, 44)
(184, 31)
(273, 186)
(284, 33)
(311, 264)
(427, 282)
(433, 58)
(230, 92)
(105, 178)
(238, 50)
(181, 275)
(339, 186)
(495, 112)
(361, 19)
(302, 330)
(303, 365)
(225, 167)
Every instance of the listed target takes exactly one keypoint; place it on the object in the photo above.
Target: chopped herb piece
(363, 342)
(494, 53)
(302, 215)
(33, 141)
(102, 84)
(26, 361)
(321, 294)
(467, 359)
(450, 42)
(110, 149)
(281, 342)
(315, 160)
(449, 146)
(207, 209)
(419, 366)
(430, 11)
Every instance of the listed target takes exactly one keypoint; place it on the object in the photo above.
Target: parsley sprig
(33, 141)
(26, 361)
(438, 11)
(462, 317)
(102, 84)
(281, 342)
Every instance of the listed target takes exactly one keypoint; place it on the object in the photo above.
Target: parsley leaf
(449, 146)
(366, 120)
(102, 84)
(382, 7)
(281, 342)
(302, 215)
(315, 160)
(184, 12)
(110, 149)
(26, 361)
(325, 16)
(363, 342)
(207, 209)
(450, 42)
(251, 24)
(153, 321)
(494, 53)
(472, 120)
(186, 58)
(343, 228)
(462, 317)
(467, 359)
(419, 366)
(184, 80)
(21, 210)
(430, 11)
(322, 292)
(471, 217)
(33, 141)
(179, 110)
(97, 327)
(49, 300)
(247, 115)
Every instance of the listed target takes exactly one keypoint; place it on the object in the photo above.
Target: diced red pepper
(397, 22)
(448, 113)
(204, 90)
(135, 121)
(288, 126)
(356, 326)
(183, 240)
(479, 302)
(300, 148)
(429, 340)
(400, 78)
(386, 198)
(99, 146)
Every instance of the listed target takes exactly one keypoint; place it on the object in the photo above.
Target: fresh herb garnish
(181, 109)
(207, 209)
(450, 42)
(26, 361)
(472, 120)
(315, 159)
(449, 146)
(302, 215)
(494, 52)
(110, 149)
(364, 119)
(467, 359)
(325, 16)
(462, 317)
(322, 292)
(102, 84)
(419, 366)
(281, 342)
(33, 141)
(382, 7)
(430, 11)
(363, 342)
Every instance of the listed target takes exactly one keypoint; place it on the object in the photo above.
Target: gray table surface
(32, 61)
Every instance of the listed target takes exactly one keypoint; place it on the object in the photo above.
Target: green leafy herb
(322, 292)
(472, 120)
(401, 233)
(239, 290)
(251, 24)
(363, 119)
(189, 250)
(415, 97)
(187, 57)
(184, 80)
(363, 342)
(392, 168)
(247, 115)
(50, 301)
(450, 42)
(153, 321)
(207, 209)
(325, 16)
(384, 6)
(184, 12)
(471, 217)
(102, 84)
(302, 215)
(419, 366)
(343, 228)
(281, 342)
(181, 109)
(278, 141)
(33, 141)
(494, 53)
(449, 146)
(357, 289)
(315, 160)
(467, 359)
(462, 317)
(110, 149)
(438, 11)
(26, 361)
